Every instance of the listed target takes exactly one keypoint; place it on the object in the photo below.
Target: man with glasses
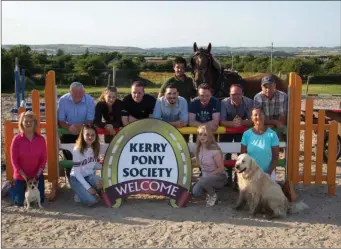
(235, 112)
(74, 109)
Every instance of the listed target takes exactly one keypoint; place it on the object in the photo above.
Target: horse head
(205, 67)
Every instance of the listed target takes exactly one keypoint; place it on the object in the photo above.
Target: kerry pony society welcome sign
(147, 156)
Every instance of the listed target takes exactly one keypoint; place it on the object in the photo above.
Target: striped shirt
(84, 165)
(273, 108)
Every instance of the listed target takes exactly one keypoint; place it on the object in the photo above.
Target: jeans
(209, 183)
(83, 194)
(17, 192)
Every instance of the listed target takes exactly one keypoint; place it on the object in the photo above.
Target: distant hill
(75, 49)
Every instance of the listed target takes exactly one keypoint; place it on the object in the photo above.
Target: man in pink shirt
(28, 157)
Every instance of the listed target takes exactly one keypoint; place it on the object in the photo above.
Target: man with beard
(172, 108)
(184, 84)
(137, 105)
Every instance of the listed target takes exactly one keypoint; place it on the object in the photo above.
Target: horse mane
(215, 63)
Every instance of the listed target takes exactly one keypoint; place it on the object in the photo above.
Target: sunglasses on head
(89, 126)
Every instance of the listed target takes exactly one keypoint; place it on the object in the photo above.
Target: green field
(313, 89)
(159, 77)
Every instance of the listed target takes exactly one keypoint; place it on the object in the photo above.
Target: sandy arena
(148, 221)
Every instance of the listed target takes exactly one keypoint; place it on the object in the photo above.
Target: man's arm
(192, 121)
(90, 116)
(157, 109)
(184, 112)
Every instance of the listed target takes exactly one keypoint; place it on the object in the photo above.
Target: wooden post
(308, 140)
(319, 146)
(331, 169)
(51, 131)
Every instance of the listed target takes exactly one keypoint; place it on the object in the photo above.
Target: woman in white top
(210, 159)
(83, 179)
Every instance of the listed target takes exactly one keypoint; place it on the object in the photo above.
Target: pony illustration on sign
(148, 156)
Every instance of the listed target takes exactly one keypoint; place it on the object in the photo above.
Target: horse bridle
(197, 69)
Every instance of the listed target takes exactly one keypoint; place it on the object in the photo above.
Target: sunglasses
(89, 126)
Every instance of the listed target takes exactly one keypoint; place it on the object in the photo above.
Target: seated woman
(108, 109)
(261, 143)
(28, 157)
(83, 179)
(210, 159)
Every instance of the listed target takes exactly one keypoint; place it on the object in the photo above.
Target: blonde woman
(108, 112)
(210, 159)
(28, 157)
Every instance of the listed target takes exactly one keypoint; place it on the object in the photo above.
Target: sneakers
(211, 200)
(76, 199)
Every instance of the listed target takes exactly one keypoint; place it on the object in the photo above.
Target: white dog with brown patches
(260, 191)
(32, 193)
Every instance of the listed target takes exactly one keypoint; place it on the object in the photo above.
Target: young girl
(210, 159)
(108, 109)
(83, 179)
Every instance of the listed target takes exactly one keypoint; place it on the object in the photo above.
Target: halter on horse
(206, 69)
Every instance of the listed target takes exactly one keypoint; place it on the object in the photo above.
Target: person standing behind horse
(108, 109)
(235, 112)
(137, 105)
(74, 109)
(172, 108)
(274, 103)
(184, 84)
(204, 109)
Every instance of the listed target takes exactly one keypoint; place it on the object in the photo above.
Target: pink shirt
(27, 155)
(206, 161)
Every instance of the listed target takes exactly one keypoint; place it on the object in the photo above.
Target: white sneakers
(76, 198)
(211, 200)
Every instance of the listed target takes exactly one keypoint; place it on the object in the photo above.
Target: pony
(206, 69)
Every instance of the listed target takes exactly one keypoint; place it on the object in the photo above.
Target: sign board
(148, 156)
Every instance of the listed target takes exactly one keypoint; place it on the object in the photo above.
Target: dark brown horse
(206, 69)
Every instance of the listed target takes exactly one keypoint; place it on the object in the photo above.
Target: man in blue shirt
(235, 112)
(74, 109)
(204, 109)
(172, 108)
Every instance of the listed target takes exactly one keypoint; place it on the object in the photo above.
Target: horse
(206, 69)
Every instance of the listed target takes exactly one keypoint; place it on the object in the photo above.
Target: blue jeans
(17, 192)
(83, 194)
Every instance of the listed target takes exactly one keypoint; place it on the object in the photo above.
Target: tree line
(94, 69)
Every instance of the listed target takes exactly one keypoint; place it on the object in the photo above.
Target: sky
(170, 24)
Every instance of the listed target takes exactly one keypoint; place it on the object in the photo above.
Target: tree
(7, 72)
(92, 65)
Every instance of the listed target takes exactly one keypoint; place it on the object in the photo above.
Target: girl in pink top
(210, 159)
(28, 157)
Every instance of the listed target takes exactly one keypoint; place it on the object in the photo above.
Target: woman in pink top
(28, 157)
(210, 159)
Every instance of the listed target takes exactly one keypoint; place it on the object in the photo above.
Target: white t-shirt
(84, 165)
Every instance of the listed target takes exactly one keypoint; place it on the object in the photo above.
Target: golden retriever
(260, 192)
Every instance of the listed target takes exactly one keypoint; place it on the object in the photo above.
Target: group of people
(179, 104)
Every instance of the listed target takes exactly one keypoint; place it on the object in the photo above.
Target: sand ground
(148, 221)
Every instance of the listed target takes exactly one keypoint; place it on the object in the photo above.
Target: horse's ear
(195, 47)
(209, 47)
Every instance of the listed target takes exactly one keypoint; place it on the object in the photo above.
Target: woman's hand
(110, 128)
(99, 184)
(22, 173)
(92, 191)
